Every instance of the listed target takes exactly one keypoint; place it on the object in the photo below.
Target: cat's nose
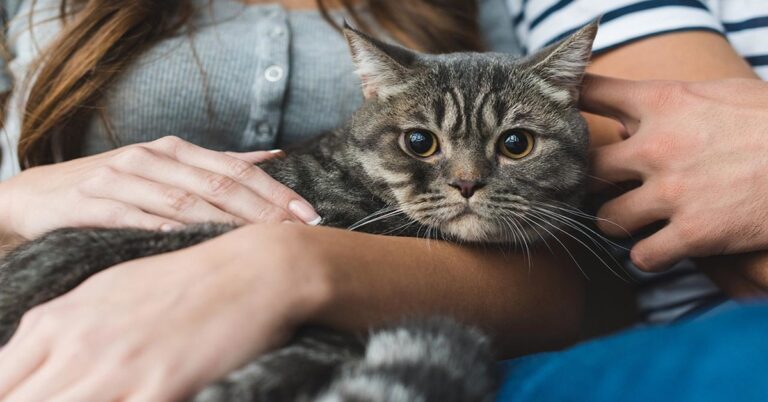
(467, 188)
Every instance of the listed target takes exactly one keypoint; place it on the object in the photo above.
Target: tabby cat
(463, 146)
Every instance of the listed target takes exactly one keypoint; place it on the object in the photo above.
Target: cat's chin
(471, 227)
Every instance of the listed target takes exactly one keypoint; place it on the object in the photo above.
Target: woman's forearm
(377, 279)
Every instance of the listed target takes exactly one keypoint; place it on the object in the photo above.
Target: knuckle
(133, 156)
(169, 143)
(240, 169)
(114, 215)
(38, 318)
(271, 215)
(666, 95)
(670, 190)
(217, 184)
(280, 193)
(179, 200)
(690, 235)
(31, 318)
(100, 176)
(658, 150)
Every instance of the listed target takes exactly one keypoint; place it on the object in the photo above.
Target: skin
(723, 105)
(162, 185)
(335, 285)
(200, 296)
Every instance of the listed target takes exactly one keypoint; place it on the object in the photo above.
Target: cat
(467, 146)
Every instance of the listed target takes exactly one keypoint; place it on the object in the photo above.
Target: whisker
(565, 248)
(595, 253)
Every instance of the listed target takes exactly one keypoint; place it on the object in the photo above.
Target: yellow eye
(421, 142)
(516, 143)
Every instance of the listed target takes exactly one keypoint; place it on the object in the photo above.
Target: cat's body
(365, 176)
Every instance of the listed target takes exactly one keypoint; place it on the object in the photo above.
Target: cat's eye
(422, 143)
(516, 143)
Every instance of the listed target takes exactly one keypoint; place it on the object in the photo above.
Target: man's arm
(688, 56)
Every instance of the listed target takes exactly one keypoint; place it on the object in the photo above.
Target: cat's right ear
(383, 68)
(563, 64)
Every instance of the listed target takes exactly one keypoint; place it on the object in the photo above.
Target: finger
(250, 175)
(611, 97)
(102, 385)
(110, 213)
(19, 359)
(615, 163)
(165, 205)
(660, 250)
(155, 387)
(630, 212)
(53, 376)
(222, 191)
(258, 156)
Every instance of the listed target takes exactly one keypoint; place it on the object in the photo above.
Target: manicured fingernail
(305, 212)
(276, 151)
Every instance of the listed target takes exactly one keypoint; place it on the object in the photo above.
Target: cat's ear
(563, 64)
(383, 68)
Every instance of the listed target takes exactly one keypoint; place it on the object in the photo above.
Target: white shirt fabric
(683, 290)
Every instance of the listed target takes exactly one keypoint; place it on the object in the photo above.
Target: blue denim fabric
(719, 356)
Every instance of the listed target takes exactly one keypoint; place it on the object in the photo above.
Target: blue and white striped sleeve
(539, 23)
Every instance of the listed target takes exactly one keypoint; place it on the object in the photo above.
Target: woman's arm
(243, 293)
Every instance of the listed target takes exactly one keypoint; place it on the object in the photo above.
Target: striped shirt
(744, 23)
(683, 290)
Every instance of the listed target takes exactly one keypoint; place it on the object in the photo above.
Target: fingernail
(167, 227)
(305, 212)
(276, 151)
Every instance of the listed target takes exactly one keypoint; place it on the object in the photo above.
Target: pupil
(516, 144)
(420, 143)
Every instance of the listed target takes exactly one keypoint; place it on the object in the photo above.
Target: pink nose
(467, 188)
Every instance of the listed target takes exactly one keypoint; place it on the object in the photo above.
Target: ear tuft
(383, 68)
(563, 64)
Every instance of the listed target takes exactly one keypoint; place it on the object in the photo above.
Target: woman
(236, 77)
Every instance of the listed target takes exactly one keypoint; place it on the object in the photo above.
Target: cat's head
(473, 144)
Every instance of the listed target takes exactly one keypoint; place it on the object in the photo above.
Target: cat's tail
(426, 360)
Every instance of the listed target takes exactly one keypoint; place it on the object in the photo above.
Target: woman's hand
(158, 328)
(699, 149)
(156, 185)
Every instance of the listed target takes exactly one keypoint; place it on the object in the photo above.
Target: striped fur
(360, 177)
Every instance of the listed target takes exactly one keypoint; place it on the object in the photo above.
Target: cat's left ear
(383, 68)
(563, 64)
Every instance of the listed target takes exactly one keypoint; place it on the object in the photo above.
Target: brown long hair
(101, 38)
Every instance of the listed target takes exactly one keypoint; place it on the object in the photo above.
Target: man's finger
(614, 163)
(631, 212)
(612, 97)
(659, 251)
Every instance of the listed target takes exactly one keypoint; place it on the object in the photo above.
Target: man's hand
(700, 150)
